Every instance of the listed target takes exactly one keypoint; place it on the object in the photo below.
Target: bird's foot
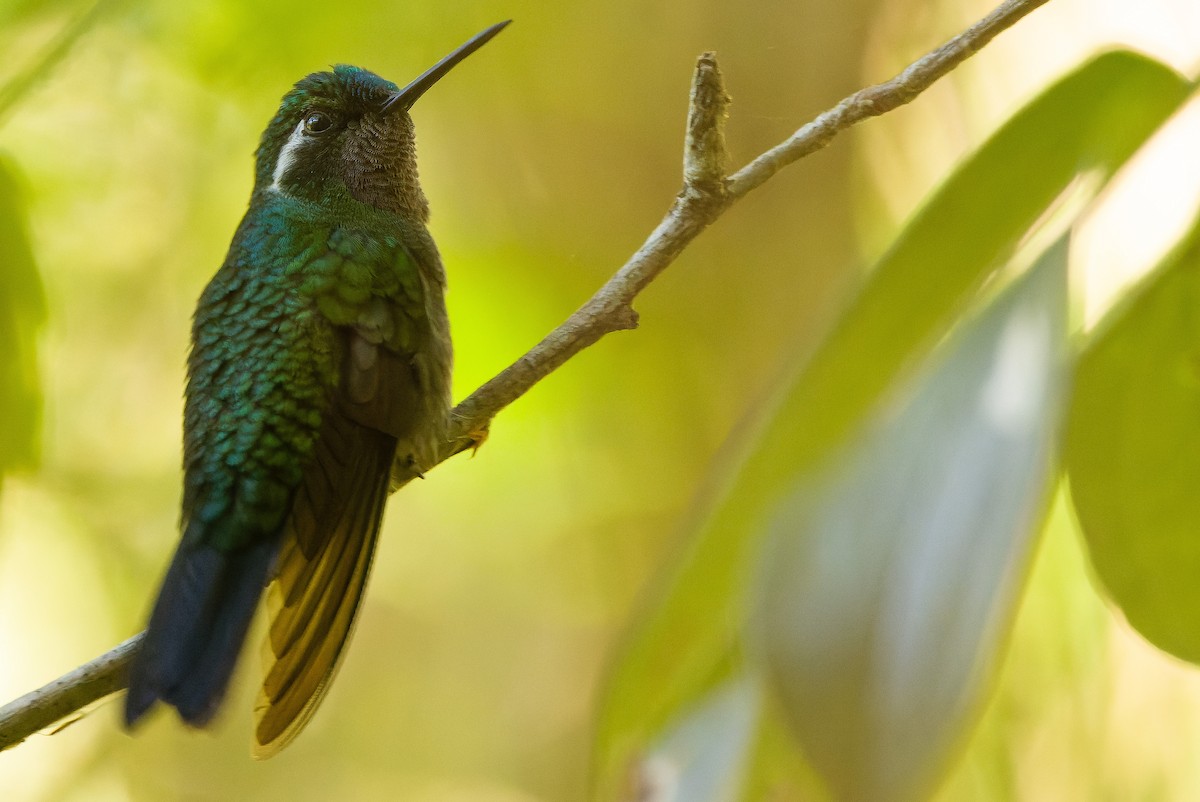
(477, 438)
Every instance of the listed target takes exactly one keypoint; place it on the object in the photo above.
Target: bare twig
(880, 98)
(706, 194)
(705, 158)
(72, 691)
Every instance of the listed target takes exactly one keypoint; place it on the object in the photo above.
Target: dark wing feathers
(322, 542)
(394, 407)
(329, 540)
(315, 595)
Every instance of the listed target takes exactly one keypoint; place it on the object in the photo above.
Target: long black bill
(406, 97)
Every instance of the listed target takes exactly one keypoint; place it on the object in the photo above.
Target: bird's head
(347, 132)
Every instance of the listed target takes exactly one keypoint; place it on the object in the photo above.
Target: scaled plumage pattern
(320, 362)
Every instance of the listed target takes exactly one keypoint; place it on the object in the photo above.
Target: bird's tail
(197, 628)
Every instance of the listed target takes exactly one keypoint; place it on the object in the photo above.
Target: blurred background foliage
(504, 582)
(22, 312)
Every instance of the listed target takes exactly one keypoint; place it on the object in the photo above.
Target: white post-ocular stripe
(287, 156)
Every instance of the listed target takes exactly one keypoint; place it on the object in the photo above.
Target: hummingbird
(318, 380)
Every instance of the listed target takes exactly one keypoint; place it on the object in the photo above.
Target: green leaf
(894, 571)
(22, 312)
(1133, 453)
(1091, 121)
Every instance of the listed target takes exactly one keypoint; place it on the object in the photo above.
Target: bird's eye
(317, 122)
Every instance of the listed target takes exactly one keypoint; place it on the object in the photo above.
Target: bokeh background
(504, 581)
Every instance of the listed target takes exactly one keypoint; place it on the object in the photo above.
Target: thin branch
(706, 194)
(72, 691)
(705, 157)
(880, 98)
(702, 201)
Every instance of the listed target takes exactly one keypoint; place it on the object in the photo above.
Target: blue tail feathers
(197, 628)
